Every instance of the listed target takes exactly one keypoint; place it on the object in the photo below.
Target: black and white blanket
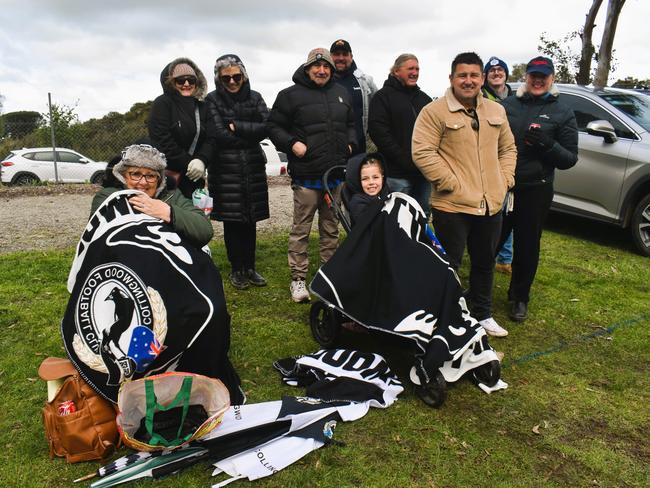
(388, 276)
(144, 301)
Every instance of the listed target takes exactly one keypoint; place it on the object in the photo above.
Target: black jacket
(172, 126)
(356, 200)
(393, 110)
(534, 166)
(320, 117)
(237, 176)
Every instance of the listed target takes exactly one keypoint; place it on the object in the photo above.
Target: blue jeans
(505, 254)
(415, 186)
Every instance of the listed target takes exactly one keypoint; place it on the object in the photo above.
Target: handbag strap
(153, 406)
(198, 131)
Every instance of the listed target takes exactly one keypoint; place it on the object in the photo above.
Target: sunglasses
(137, 176)
(472, 113)
(181, 80)
(225, 79)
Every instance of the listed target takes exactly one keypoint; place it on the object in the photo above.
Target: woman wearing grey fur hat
(142, 168)
(178, 123)
(237, 175)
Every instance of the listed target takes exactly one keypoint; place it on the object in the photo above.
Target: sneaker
(505, 268)
(239, 280)
(492, 328)
(255, 278)
(299, 291)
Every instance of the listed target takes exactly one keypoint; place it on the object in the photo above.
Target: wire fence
(34, 151)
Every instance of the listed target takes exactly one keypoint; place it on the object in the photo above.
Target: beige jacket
(470, 170)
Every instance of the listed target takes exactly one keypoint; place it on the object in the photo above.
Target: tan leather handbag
(79, 423)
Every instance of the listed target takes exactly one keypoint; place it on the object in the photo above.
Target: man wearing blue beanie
(496, 73)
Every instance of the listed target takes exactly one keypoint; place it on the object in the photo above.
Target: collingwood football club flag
(389, 276)
(143, 301)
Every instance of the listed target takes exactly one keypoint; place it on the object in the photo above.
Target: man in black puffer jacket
(313, 122)
(393, 110)
(546, 135)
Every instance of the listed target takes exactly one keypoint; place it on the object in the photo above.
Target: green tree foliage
(565, 59)
(517, 73)
(19, 124)
(631, 82)
(99, 139)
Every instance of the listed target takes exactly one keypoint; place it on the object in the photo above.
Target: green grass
(577, 369)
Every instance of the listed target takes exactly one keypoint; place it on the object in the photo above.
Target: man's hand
(299, 149)
(536, 138)
(150, 206)
(231, 126)
(195, 169)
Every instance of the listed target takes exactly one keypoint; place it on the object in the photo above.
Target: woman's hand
(151, 206)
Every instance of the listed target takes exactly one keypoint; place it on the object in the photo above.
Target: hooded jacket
(172, 125)
(320, 117)
(557, 120)
(470, 170)
(357, 199)
(393, 110)
(237, 176)
(490, 94)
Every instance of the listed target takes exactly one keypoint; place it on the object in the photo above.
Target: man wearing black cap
(313, 122)
(359, 85)
(546, 135)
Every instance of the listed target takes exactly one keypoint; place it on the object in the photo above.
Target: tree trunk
(587, 53)
(605, 53)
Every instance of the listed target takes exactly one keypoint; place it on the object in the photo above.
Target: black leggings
(526, 221)
(240, 239)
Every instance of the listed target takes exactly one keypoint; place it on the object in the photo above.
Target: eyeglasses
(181, 80)
(472, 113)
(225, 79)
(137, 176)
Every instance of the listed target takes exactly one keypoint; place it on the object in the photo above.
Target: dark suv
(611, 181)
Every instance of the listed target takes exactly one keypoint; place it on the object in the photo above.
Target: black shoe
(239, 280)
(519, 311)
(255, 278)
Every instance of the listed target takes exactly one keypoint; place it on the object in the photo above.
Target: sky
(104, 56)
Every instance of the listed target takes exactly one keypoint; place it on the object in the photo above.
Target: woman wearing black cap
(237, 176)
(547, 138)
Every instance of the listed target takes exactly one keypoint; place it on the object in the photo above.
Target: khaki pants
(305, 203)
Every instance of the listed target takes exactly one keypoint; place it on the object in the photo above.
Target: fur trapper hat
(142, 156)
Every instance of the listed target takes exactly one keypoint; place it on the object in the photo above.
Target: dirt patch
(53, 216)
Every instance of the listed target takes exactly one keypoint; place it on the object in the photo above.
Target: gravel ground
(53, 216)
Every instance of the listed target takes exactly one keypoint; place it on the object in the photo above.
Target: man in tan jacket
(463, 145)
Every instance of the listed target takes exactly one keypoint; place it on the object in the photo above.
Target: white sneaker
(299, 291)
(492, 328)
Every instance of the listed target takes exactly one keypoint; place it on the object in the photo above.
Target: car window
(29, 155)
(68, 157)
(637, 107)
(44, 156)
(587, 111)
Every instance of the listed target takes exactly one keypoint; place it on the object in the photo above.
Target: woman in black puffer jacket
(173, 127)
(237, 176)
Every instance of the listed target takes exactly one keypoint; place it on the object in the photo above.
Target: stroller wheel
(433, 393)
(324, 324)
(488, 373)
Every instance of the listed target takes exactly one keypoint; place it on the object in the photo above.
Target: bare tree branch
(588, 49)
(605, 53)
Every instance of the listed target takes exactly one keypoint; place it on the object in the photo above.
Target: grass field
(576, 412)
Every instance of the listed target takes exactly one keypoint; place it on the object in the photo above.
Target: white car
(276, 161)
(29, 166)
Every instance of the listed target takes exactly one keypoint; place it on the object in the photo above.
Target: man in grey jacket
(359, 85)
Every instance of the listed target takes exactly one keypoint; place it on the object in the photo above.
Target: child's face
(371, 179)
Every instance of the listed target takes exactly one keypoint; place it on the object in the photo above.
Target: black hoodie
(393, 110)
(357, 200)
(320, 117)
(172, 125)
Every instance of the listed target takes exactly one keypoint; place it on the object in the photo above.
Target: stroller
(389, 276)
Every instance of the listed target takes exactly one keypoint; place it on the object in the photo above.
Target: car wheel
(25, 179)
(640, 226)
(97, 178)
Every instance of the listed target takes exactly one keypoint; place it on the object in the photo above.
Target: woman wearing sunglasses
(178, 124)
(142, 168)
(237, 176)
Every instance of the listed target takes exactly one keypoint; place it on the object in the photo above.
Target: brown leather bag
(89, 432)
